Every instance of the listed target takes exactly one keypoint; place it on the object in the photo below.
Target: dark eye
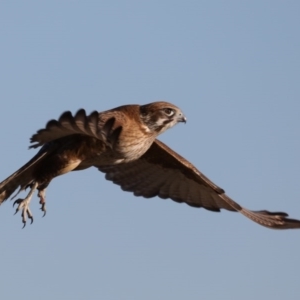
(169, 112)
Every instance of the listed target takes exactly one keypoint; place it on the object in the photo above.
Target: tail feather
(21, 178)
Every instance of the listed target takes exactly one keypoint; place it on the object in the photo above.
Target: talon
(18, 201)
(20, 204)
(24, 225)
(24, 216)
(29, 215)
(43, 208)
(42, 195)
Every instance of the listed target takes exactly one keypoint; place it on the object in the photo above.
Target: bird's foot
(42, 196)
(26, 213)
(23, 204)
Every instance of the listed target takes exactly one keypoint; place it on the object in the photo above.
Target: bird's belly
(122, 153)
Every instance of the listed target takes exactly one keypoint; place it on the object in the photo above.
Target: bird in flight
(122, 143)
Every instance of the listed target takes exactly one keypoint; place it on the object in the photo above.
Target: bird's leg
(42, 196)
(24, 205)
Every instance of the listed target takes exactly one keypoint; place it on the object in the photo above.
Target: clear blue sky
(233, 67)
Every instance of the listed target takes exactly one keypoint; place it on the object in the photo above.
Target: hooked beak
(182, 118)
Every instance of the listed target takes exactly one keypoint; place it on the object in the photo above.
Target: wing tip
(273, 220)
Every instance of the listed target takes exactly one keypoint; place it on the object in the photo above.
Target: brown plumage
(122, 143)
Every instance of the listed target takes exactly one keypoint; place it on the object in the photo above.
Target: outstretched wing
(103, 126)
(164, 173)
(67, 124)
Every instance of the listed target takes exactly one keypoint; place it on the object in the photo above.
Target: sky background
(233, 67)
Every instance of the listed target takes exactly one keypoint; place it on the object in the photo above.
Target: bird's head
(160, 116)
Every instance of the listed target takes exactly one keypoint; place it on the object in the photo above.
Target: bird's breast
(132, 145)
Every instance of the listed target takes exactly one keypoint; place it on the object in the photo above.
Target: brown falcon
(122, 143)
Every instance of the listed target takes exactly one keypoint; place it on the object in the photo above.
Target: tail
(21, 178)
